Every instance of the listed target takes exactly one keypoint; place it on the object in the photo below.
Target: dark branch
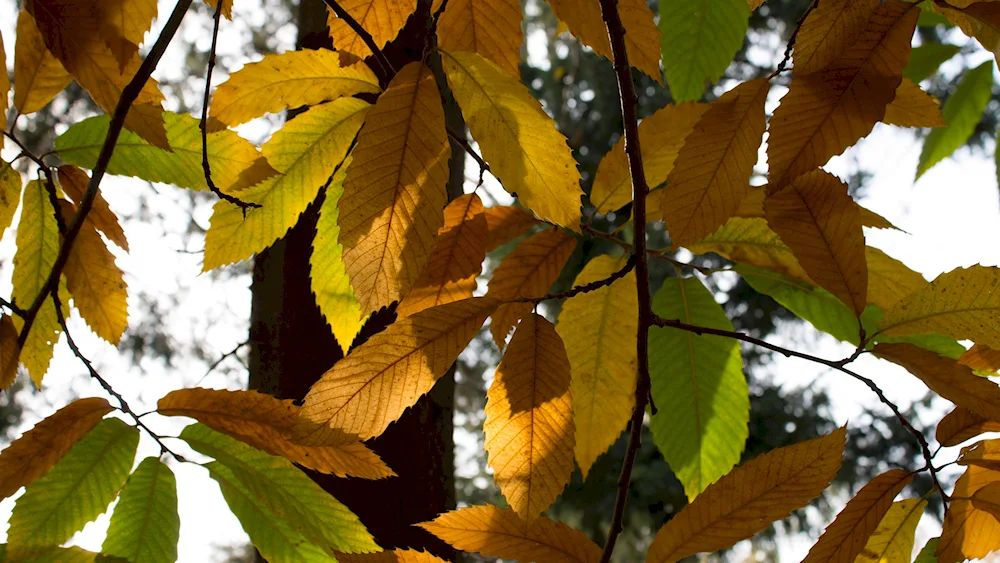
(592, 286)
(464, 144)
(221, 359)
(791, 41)
(363, 34)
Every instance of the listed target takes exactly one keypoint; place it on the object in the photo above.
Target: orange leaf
(912, 107)
(830, 29)
(505, 223)
(749, 498)
(38, 74)
(491, 28)
(73, 182)
(123, 23)
(383, 19)
(9, 352)
(985, 453)
(496, 532)
(981, 357)
(987, 499)
(394, 556)
(227, 7)
(969, 533)
(961, 424)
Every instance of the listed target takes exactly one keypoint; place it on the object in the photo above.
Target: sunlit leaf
(829, 30)
(4, 89)
(912, 107)
(505, 223)
(987, 499)
(961, 424)
(9, 352)
(969, 533)
(73, 182)
(927, 553)
(889, 280)
(394, 556)
(145, 526)
(38, 74)
(122, 25)
(981, 358)
(227, 7)
(700, 38)
(962, 111)
(10, 193)
(383, 19)
(750, 241)
(892, 541)
(491, 28)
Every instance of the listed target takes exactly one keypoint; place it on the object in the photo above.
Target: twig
(12, 307)
(216, 363)
(460, 141)
(24, 150)
(205, 165)
(791, 41)
(592, 286)
(363, 34)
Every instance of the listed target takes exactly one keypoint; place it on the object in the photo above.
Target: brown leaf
(506, 223)
(985, 453)
(961, 424)
(394, 556)
(73, 182)
(889, 280)
(912, 107)
(969, 533)
(981, 357)
(987, 499)
(830, 30)
(491, 28)
(9, 352)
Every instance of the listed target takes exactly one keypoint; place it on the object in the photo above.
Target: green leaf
(285, 492)
(699, 39)
(935, 342)
(962, 110)
(929, 17)
(76, 491)
(145, 526)
(925, 60)
(699, 389)
(927, 554)
(59, 555)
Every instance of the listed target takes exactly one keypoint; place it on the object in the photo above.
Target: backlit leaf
(122, 25)
(828, 31)
(38, 74)
(698, 387)
(912, 107)
(9, 352)
(73, 182)
(505, 223)
(394, 556)
(892, 541)
(982, 358)
(145, 526)
(383, 19)
(519, 141)
(491, 28)
(227, 7)
(925, 60)
(980, 20)
(10, 194)
(750, 241)
(985, 453)
(934, 342)
(926, 554)
(889, 280)
(969, 533)
(4, 88)
(962, 111)
(961, 424)
(987, 499)
(749, 498)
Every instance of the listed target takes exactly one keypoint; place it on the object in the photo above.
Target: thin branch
(791, 41)
(362, 33)
(24, 150)
(592, 286)
(12, 307)
(462, 142)
(221, 359)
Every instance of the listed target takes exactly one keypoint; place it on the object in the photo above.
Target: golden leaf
(73, 182)
(830, 30)
(491, 28)
(9, 352)
(987, 499)
(818, 220)
(969, 533)
(10, 193)
(390, 212)
(519, 141)
(506, 223)
(4, 89)
(529, 424)
(394, 556)
(846, 537)
(976, 19)
(381, 378)
(749, 498)
(457, 258)
(497, 532)
(383, 19)
(122, 24)
(889, 280)
(982, 358)
(527, 272)
(227, 7)
(265, 423)
(754, 4)
(750, 241)
(961, 424)
(912, 107)
(37, 450)
(892, 541)
(985, 453)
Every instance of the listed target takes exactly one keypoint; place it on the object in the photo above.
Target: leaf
(73, 182)
(491, 28)
(529, 425)
(519, 141)
(390, 211)
(961, 424)
(227, 7)
(825, 112)
(76, 490)
(828, 32)
(383, 19)
(946, 377)
(505, 223)
(37, 450)
(642, 38)
(456, 260)
(987, 499)
(969, 533)
(912, 107)
(846, 537)
(700, 38)
(38, 74)
(976, 19)
(981, 358)
(527, 272)
(497, 532)
(698, 386)
(122, 25)
(892, 541)
(925, 60)
(327, 273)
(661, 137)
(266, 423)
(394, 556)
(962, 111)
(963, 303)
(288, 80)
(749, 498)
(4, 88)
(934, 342)
(598, 329)
(9, 352)
(381, 378)
(306, 151)
(985, 454)
(818, 220)
(750, 241)
(713, 170)
(10, 194)
(145, 526)
(889, 280)
(926, 554)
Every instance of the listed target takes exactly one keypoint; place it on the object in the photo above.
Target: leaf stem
(587, 288)
(364, 35)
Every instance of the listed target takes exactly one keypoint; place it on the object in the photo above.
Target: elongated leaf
(699, 40)
(925, 60)
(38, 74)
(383, 19)
(828, 31)
(749, 498)
(517, 138)
(288, 80)
(306, 152)
(912, 107)
(846, 537)
(9, 352)
(4, 88)
(73, 182)
(145, 526)
(10, 194)
(889, 280)
(506, 223)
(76, 490)
(750, 241)
(394, 556)
(383, 377)
(122, 25)
(698, 386)
(961, 424)
(969, 533)
(496, 532)
(962, 110)
(491, 28)
(892, 541)
(598, 329)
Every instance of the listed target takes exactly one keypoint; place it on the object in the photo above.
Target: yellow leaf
(10, 194)
(266, 423)
(969, 533)
(961, 424)
(749, 498)
(661, 137)
(827, 111)
(750, 241)
(598, 329)
(96, 283)
(519, 141)
(529, 424)
(889, 280)
(754, 4)
(457, 258)
(227, 7)
(383, 19)
(846, 537)
(9, 352)
(505, 223)
(875, 221)
(394, 556)
(913, 107)
(981, 358)
(288, 80)
(985, 453)
(818, 220)
(306, 151)
(123, 23)
(37, 450)
(491, 28)
(712, 173)
(390, 212)
(963, 304)
(38, 74)
(4, 89)
(73, 182)
(892, 541)
(496, 532)
(830, 30)
(987, 499)
(976, 19)
(946, 377)
(381, 378)
(642, 37)
(527, 272)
